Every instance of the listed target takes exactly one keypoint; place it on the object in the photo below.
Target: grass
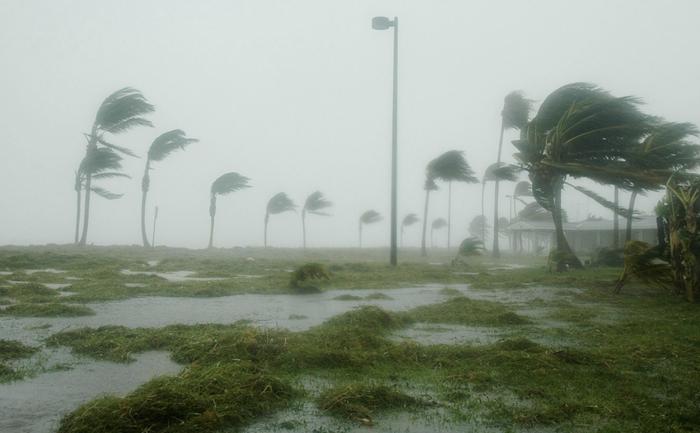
(361, 401)
(51, 309)
(11, 350)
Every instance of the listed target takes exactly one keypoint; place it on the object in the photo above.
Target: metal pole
(393, 254)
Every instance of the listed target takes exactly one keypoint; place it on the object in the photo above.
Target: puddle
(36, 405)
(47, 270)
(431, 333)
(507, 267)
(173, 277)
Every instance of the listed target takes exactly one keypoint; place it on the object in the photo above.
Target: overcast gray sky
(296, 95)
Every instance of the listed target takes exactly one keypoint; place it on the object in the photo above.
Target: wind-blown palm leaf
(279, 203)
(535, 212)
(451, 166)
(472, 246)
(601, 200)
(228, 183)
(104, 193)
(667, 146)
(479, 225)
(370, 217)
(523, 189)
(516, 110)
(409, 220)
(98, 160)
(110, 175)
(122, 110)
(430, 184)
(167, 143)
(438, 223)
(316, 202)
(645, 262)
(502, 172)
(121, 149)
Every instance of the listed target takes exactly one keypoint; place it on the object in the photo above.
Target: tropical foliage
(408, 221)
(437, 224)
(279, 203)
(496, 172)
(368, 217)
(223, 185)
(315, 204)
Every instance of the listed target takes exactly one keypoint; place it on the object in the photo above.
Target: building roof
(644, 222)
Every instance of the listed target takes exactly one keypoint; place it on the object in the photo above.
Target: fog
(297, 97)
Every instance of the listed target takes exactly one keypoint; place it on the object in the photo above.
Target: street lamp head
(381, 23)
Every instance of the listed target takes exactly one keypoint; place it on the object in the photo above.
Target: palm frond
(120, 149)
(316, 202)
(535, 212)
(279, 203)
(451, 166)
(471, 246)
(167, 143)
(105, 194)
(228, 183)
(122, 110)
(430, 184)
(438, 223)
(110, 175)
(502, 172)
(601, 200)
(516, 110)
(370, 217)
(100, 160)
(523, 189)
(409, 220)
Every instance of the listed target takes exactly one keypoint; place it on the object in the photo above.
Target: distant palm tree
(448, 167)
(224, 184)
(408, 221)
(522, 189)
(314, 204)
(369, 217)
(428, 186)
(479, 227)
(162, 146)
(100, 163)
(438, 223)
(278, 204)
(119, 112)
(515, 115)
(497, 172)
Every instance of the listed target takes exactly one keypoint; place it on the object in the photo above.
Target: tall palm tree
(438, 224)
(368, 217)
(162, 146)
(119, 112)
(99, 163)
(408, 221)
(428, 186)
(581, 130)
(278, 204)
(448, 167)
(224, 184)
(515, 115)
(496, 172)
(314, 204)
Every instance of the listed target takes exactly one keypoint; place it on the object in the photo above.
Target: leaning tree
(429, 186)
(496, 172)
(315, 204)
(438, 224)
(279, 203)
(162, 146)
(408, 221)
(368, 217)
(119, 112)
(224, 184)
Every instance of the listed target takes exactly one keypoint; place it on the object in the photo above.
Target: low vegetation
(11, 350)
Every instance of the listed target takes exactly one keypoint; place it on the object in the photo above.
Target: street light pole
(383, 23)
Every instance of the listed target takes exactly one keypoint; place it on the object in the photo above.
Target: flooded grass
(51, 309)
(11, 350)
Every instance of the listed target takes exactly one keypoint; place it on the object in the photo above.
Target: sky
(296, 95)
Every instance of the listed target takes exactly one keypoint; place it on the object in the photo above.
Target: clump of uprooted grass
(51, 309)
(466, 311)
(11, 350)
(200, 399)
(361, 401)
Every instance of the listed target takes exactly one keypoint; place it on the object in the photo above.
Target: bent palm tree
(162, 146)
(368, 217)
(496, 172)
(224, 184)
(407, 221)
(314, 204)
(448, 167)
(438, 224)
(119, 112)
(278, 204)
(429, 185)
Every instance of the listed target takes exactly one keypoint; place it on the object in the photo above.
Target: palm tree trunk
(565, 254)
(86, 216)
(423, 250)
(630, 211)
(303, 227)
(212, 214)
(267, 219)
(616, 222)
(155, 218)
(496, 251)
(145, 183)
(449, 213)
(78, 191)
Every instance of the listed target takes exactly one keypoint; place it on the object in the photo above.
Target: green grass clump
(52, 309)
(347, 298)
(466, 311)
(361, 401)
(200, 399)
(308, 278)
(29, 292)
(378, 297)
(11, 350)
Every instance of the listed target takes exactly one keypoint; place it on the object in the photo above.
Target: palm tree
(119, 112)
(479, 227)
(279, 203)
(368, 217)
(496, 172)
(438, 223)
(224, 184)
(99, 163)
(522, 189)
(581, 130)
(515, 115)
(162, 146)
(428, 186)
(408, 220)
(314, 204)
(448, 167)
